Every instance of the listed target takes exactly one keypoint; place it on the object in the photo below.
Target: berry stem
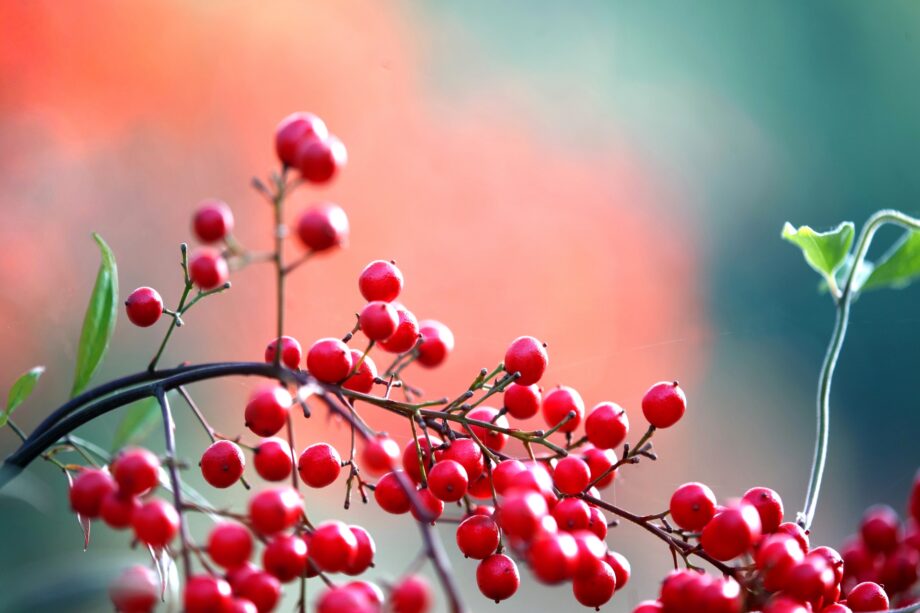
(169, 431)
(280, 273)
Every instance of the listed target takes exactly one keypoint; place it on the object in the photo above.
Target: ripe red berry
(213, 221)
(492, 439)
(242, 605)
(364, 555)
(207, 268)
(391, 496)
(572, 514)
(229, 544)
(732, 531)
(260, 588)
(319, 465)
(527, 356)
(295, 129)
(448, 480)
(267, 410)
(291, 352)
(155, 523)
(571, 475)
(333, 546)
(497, 577)
(591, 550)
(769, 505)
(692, 506)
(329, 360)
(776, 556)
(319, 160)
(505, 474)
(380, 280)
(410, 457)
(596, 588)
(880, 528)
(785, 604)
(406, 334)
(88, 491)
(411, 595)
(363, 378)
(522, 401)
(600, 461)
(796, 532)
(898, 573)
(222, 464)
(437, 343)
(621, 568)
(117, 510)
(465, 451)
(144, 306)
(552, 557)
(345, 599)
(378, 320)
(477, 536)
(649, 606)
(285, 557)
(137, 471)
(809, 579)
(867, 596)
(597, 523)
(206, 594)
(272, 459)
(323, 226)
(521, 512)
(561, 402)
(136, 590)
(430, 508)
(379, 455)
(607, 426)
(274, 510)
(664, 404)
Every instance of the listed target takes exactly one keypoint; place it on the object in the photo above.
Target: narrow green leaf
(899, 266)
(824, 251)
(99, 321)
(140, 418)
(21, 390)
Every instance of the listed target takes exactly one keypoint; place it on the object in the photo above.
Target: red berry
(880, 528)
(229, 544)
(155, 523)
(364, 555)
(448, 481)
(319, 465)
(329, 360)
(621, 568)
(836, 608)
(571, 475)
(796, 532)
(527, 356)
(899, 570)
(333, 546)
(600, 461)
(411, 595)
(323, 226)
(222, 464)
(648, 606)
(345, 599)
(206, 594)
(294, 130)
(722, 595)
(285, 557)
(552, 557)
(591, 550)
(437, 343)
(136, 590)
(117, 510)
(378, 320)
(272, 459)
(291, 352)
(664, 404)
(784, 604)
(410, 457)
(867, 596)
(370, 591)
(144, 306)
(363, 378)
(431, 505)
(213, 221)
(477, 536)
(267, 410)
(379, 454)
(406, 334)
(497, 577)
(775, 558)
(768, 504)
(572, 514)
(521, 512)
(391, 496)
(319, 160)
(242, 605)
(597, 523)
(595, 589)
(490, 438)
(88, 491)
(465, 451)
(522, 401)
(561, 402)
(732, 531)
(137, 471)
(607, 426)
(274, 510)
(809, 579)
(380, 280)
(504, 474)
(692, 506)
(260, 588)
(207, 268)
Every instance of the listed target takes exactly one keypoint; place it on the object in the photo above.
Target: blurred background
(611, 178)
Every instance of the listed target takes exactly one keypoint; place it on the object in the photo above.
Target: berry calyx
(527, 356)
(207, 268)
(664, 404)
(144, 307)
(267, 410)
(213, 221)
(380, 280)
(323, 227)
(291, 352)
(561, 403)
(222, 464)
(329, 360)
(607, 426)
(497, 577)
(319, 465)
(272, 459)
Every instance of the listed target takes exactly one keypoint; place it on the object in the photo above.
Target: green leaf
(824, 251)
(899, 266)
(21, 390)
(140, 418)
(99, 321)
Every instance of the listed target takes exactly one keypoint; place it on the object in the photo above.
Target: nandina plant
(516, 496)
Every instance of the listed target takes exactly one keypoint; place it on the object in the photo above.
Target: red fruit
(242, 605)
(448, 481)
(731, 532)
(527, 356)
(229, 544)
(291, 352)
(522, 401)
(88, 491)
(880, 528)
(118, 510)
(370, 591)
(796, 532)
(561, 402)
(490, 438)
(552, 557)
(607, 426)
(272, 459)
(776, 556)
(692, 506)
(833, 559)
(837, 608)
(809, 579)
(137, 471)
(406, 334)
(274, 510)
(380, 280)
(600, 461)
(621, 568)
(571, 475)
(497, 577)
(260, 588)
(648, 606)
(144, 306)
(899, 570)
(364, 555)
(206, 594)
(295, 129)
(329, 360)
(595, 589)
(410, 457)
(477, 536)
(362, 379)
(664, 404)
(784, 604)
(504, 474)
(467, 453)
(572, 514)
(136, 590)
(222, 464)
(333, 546)
(320, 160)
(768, 504)
(378, 320)
(867, 596)
(155, 523)
(437, 343)
(207, 268)
(597, 524)
(285, 557)
(319, 465)
(345, 599)
(379, 454)
(432, 506)
(323, 226)
(681, 589)
(723, 595)
(391, 496)
(411, 595)
(521, 512)
(591, 550)
(267, 410)
(213, 221)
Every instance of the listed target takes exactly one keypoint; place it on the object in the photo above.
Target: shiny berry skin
(118, 510)
(410, 457)
(784, 604)
(880, 528)
(319, 160)
(89, 489)
(559, 403)
(837, 608)
(477, 537)
(144, 307)
(597, 523)
(648, 606)
(222, 464)
(527, 356)
(362, 379)
(411, 595)
(213, 221)
(242, 605)
(155, 523)
(467, 453)
(432, 506)
(809, 579)
(274, 510)
(371, 591)
(497, 577)
(571, 475)
(768, 504)
(391, 496)
(333, 546)
(692, 506)
(345, 599)
(552, 557)
(796, 532)
(206, 594)
(731, 532)
(597, 588)
(776, 556)
(722, 595)
(521, 512)
(229, 544)
(621, 568)
(294, 130)
(136, 471)
(523, 401)
(590, 550)
(899, 570)
(379, 455)
(504, 474)
(406, 334)
(267, 410)
(319, 465)
(378, 320)
(600, 461)
(323, 226)
(607, 426)
(272, 459)
(380, 280)
(664, 404)
(437, 343)
(136, 590)
(364, 555)
(260, 588)
(572, 514)
(207, 268)
(329, 360)
(448, 481)
(285, 557)
(492, 439)
(867, 596)
(291, 352)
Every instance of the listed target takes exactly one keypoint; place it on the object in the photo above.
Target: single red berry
(536, 478)
(323, 226)
(591, 550)
(898, 573)
(880, 528)
(769, 505)
(319, 465)
(206, 594)
(465, 451)
(390, 494)
(600, 461)
(272, 459)
(411, 595)
(809, 579)
(448, 480)
(437, 343)
(379, 454)
(242, 605)
(722, 595)
(137, 471)
(679, 588)
(406, 334)
(117, 510)
(732, 531)
(380, 280)
(867, 596)
(319, 160)
(492, 439)
(521, 512)
(572, 514)
(607, 426)
(88, 491)
(363, 378)
(664, 404)
(785, 604)
(561, 402)
(364, 555)
(410, 457)
(136, 590)
(597, 523)
(345, 599)
(222, 463)
(504, 474)
(370, 591)
(596, 588)
(267, 410)
(207, 268)
(552, 557)
(260, 588)
(692, 506)
(571, 475)
(796, 532)
(477, 536)
(523, 401)
(329, 360)
(155, 523)
(832, 557)
(285, 557)
(527, 356)
(274, 510)
(378, 320)
(291, 352)
(621, 568)
(295, 129)
(144, 306)
(213, 221)
(431, 505)
(333, 546)
(497, 577)
(836, 608)
(648, 606)
(229, 544)
(776, 556)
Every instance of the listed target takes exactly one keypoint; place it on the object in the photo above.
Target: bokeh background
(610, 177)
